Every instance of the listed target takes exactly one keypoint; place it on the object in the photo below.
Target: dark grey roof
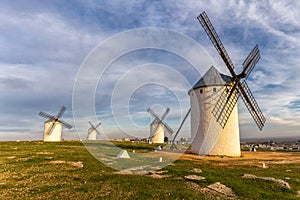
(212, 78)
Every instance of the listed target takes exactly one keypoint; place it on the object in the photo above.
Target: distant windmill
(217, 94)
(92, 131)
(53, 126)
(158, 127)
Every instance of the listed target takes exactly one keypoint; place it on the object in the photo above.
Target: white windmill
(53, 126)
(92, 131)
(214, 101)
(158, 127)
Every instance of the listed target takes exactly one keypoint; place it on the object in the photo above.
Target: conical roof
(212, 78)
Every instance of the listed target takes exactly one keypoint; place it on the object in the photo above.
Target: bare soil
(249, 158)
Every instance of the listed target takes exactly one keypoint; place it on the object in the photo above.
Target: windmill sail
(209, 29)
(61, 112)
(225, 105)
(94, 128)
(227, 101)
(65, 124)
(45, 115)
(251, 61)
(51, 128)
(252, 105)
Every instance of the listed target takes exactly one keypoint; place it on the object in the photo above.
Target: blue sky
(44, 43)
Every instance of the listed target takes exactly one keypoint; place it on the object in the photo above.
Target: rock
(196, 170)
(194, 177)
(162, 171)
(249, 176)
(123, 172)
(143, 172)
(159, 176)
(44, 153)
(57, 162)
(222, 189)
(283, 183)
(278, 181)
(76, 164)
(194, 186)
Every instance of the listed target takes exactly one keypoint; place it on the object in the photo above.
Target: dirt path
(250, 158)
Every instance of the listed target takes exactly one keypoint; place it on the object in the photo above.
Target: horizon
(45, 45)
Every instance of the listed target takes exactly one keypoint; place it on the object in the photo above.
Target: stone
(221, 189)
(278, 181)
(194, 177)
(196, 170)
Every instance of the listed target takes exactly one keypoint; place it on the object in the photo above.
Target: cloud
(43, 43)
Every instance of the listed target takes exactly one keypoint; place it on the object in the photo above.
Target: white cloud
(43, 47)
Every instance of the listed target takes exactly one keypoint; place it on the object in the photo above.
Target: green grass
(27, 173)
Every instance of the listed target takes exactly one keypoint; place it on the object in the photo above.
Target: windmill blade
(210, 31)
(90, 130)
(250, 61)
(61, 112)
(225, 105)
(66, 124)
(45, 115)
(251, 105)
(51, 128)
(94, 128)
(97, 132)
(91, 125)
(153, 113)
(165, 114)
(98, 125)
(169, 129)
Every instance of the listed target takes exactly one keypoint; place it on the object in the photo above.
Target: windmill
(53, 126)
(92, 131)
(216, 95)
(158, 127)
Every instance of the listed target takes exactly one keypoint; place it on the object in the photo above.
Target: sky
(45, 46)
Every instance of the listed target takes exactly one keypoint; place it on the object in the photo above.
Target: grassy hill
(66, 170)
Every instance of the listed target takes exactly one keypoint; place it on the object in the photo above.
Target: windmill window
(201, 91)
(214, 89)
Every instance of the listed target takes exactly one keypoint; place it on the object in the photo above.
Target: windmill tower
(158, 127)
(92, 131)
(214, 99)
(53, 126)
